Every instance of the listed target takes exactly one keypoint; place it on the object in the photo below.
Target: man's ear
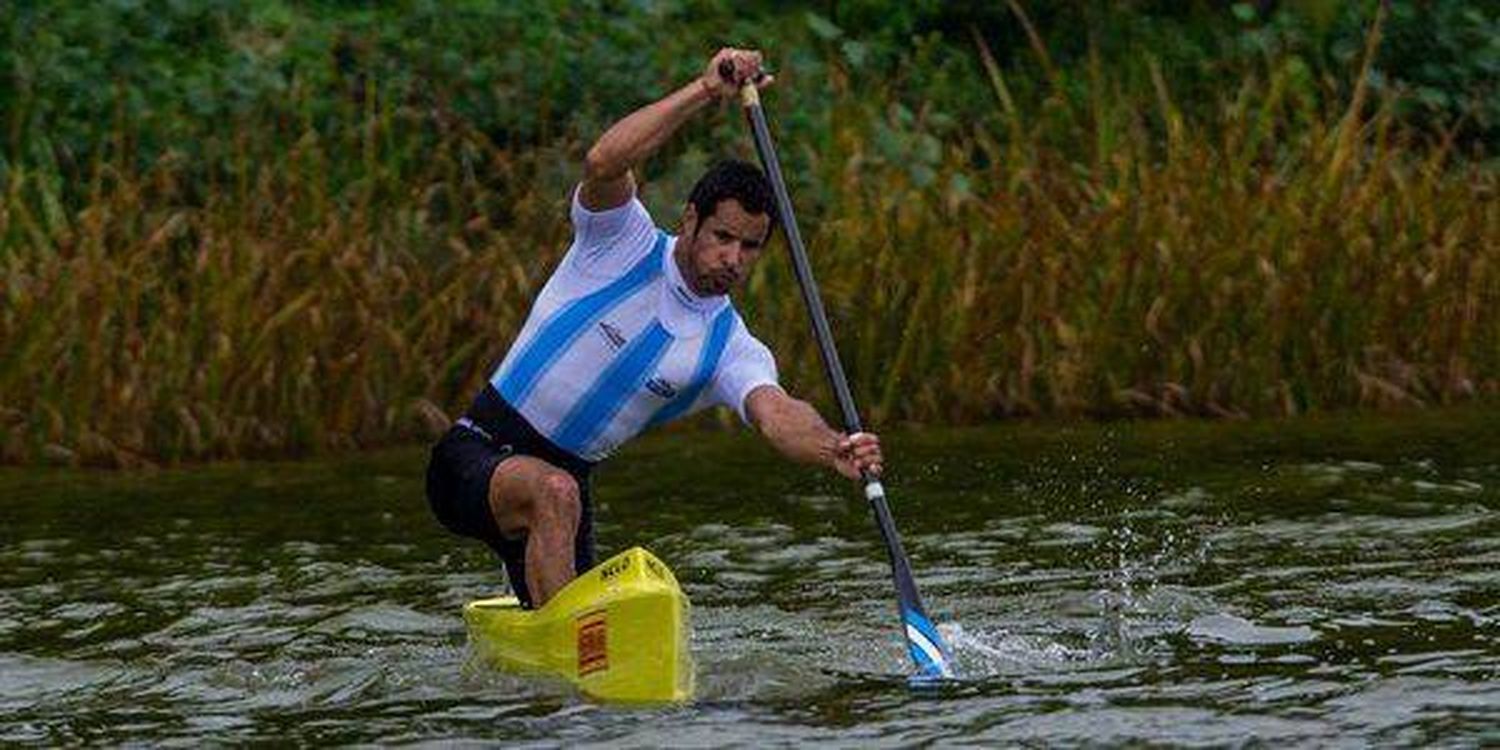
(690, 221)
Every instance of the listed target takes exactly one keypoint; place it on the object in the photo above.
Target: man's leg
(530, 496)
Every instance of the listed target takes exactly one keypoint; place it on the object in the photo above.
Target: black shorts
(458, 482)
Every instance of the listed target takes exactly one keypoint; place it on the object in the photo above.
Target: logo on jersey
(661, 388)
(683, 296)
(612, 335)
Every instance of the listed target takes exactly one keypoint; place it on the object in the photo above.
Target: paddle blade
(927, 649)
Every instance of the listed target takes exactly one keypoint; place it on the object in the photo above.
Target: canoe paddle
(926, 647)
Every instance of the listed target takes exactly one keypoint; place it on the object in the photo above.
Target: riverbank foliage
(248, 227)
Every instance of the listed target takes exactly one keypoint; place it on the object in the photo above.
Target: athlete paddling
(634, 328)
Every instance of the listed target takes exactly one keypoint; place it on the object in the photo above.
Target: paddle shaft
(906, 586)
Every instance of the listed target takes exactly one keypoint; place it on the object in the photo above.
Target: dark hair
(740, 180)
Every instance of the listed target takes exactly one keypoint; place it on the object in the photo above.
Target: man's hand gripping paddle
(931, 655)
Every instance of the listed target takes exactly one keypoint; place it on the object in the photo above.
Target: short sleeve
(597, 233)
(747, 365)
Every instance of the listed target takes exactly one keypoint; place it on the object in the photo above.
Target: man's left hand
(856, 453)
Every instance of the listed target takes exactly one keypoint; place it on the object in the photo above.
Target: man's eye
(722, 236)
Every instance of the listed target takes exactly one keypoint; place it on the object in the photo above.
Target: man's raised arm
(607, 178)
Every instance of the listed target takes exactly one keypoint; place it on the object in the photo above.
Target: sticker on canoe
(593, 654)
(613, 568)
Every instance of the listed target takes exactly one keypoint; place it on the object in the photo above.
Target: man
(634, 328)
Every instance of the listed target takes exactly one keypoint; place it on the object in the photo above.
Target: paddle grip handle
(749, 95)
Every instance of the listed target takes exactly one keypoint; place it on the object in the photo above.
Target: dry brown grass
(1273, 260)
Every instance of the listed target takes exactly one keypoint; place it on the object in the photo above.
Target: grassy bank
(996, 234)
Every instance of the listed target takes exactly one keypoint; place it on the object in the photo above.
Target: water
(1318, 582)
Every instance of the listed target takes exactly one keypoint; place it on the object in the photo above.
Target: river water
(1329, 581)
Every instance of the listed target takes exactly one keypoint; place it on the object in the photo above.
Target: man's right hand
(744, 65)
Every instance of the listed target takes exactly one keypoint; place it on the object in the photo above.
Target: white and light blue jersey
(617, 342)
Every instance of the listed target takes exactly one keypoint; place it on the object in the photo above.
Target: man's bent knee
(559, 502)
(528, 495)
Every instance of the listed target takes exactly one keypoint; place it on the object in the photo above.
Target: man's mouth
(721, 282)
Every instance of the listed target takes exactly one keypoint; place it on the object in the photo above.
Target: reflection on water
(1184, 584)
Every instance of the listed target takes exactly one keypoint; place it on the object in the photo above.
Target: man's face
(724, 247)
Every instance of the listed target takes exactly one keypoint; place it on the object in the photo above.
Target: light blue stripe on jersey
(708, 362)
(612, 389)
(556, 335)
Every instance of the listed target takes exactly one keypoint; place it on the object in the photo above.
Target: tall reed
(1093, 255)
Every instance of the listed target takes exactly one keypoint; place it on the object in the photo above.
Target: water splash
(981, 653)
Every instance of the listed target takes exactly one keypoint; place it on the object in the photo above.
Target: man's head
(726, 225)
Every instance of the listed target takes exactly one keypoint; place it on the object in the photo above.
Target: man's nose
(732, 256)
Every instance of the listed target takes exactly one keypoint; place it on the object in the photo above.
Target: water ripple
(1309, 601)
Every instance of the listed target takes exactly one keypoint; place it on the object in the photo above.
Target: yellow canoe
(619, 632)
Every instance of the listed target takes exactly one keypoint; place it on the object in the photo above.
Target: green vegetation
(245, 227)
